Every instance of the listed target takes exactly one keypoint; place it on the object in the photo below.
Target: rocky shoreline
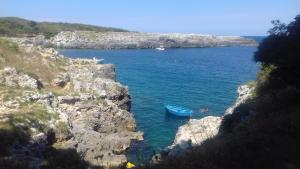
(85, 108)
(196, 131)
(81, 108)
(133, 40)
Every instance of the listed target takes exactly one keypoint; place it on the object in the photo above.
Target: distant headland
(73, 35)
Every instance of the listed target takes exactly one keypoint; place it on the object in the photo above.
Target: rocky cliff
(63, 103)
(129, 40)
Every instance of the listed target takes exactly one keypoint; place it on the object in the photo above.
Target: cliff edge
(50, 103)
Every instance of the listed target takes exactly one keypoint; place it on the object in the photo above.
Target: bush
(281, 50)
(240, 114)
(263, 80)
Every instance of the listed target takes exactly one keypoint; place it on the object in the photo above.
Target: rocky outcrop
(100, 80)
(194, 133)
(11, 77)
(129, 40)
(101, 131)
(83, 108)
(101, 125)
(244, 93)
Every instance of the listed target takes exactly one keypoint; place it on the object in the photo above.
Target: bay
(194, 78)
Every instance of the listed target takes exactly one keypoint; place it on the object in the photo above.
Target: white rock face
(194, 133)
(11, 77)
(244, 93)
(112, 40)
(198, 130)
(126, 40)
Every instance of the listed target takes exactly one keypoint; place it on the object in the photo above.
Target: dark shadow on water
(140, 152)
(172, 119)
(169, 116)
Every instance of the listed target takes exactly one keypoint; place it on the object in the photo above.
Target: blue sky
(220, 17)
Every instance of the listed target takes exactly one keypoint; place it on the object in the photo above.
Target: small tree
(281, 50)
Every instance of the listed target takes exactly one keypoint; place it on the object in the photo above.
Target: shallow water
(194, 78)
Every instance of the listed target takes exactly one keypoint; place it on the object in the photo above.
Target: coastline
(133, 40)
(84, 63)
(81, 108)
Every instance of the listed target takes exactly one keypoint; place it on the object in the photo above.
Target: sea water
(194, 78)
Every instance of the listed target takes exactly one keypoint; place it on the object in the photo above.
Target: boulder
(61, 80)
(68, 99)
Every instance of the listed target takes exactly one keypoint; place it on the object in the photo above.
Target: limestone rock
(47, 99)
(40, 138)
(125, 40)
(113, 40)
(9, 76)
(244, 92)
(91, 115)
(61, 80)
(194, 133)
(100, 80)
(68, 99)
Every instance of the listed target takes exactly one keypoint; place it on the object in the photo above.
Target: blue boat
(178, 111)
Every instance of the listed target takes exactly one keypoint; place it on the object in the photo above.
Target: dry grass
(30, 115)
(15, 124)
(57, 91)
(31, 63)
(11, 93)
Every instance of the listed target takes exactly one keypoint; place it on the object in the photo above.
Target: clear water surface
(194, 78)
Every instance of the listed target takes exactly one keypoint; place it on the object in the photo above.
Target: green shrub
(8, 45)
(263, 80)
(281, 49)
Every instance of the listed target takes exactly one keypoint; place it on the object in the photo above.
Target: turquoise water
(194, 78)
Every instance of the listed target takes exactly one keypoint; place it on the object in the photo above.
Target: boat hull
(178, 111)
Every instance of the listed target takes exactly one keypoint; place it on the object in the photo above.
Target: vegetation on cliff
(12, 26)
(264, 131)
(31, 63)
(57, 112)
(21, 118)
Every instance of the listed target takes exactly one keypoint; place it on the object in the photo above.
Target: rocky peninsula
(132, 40)
(62, 104)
